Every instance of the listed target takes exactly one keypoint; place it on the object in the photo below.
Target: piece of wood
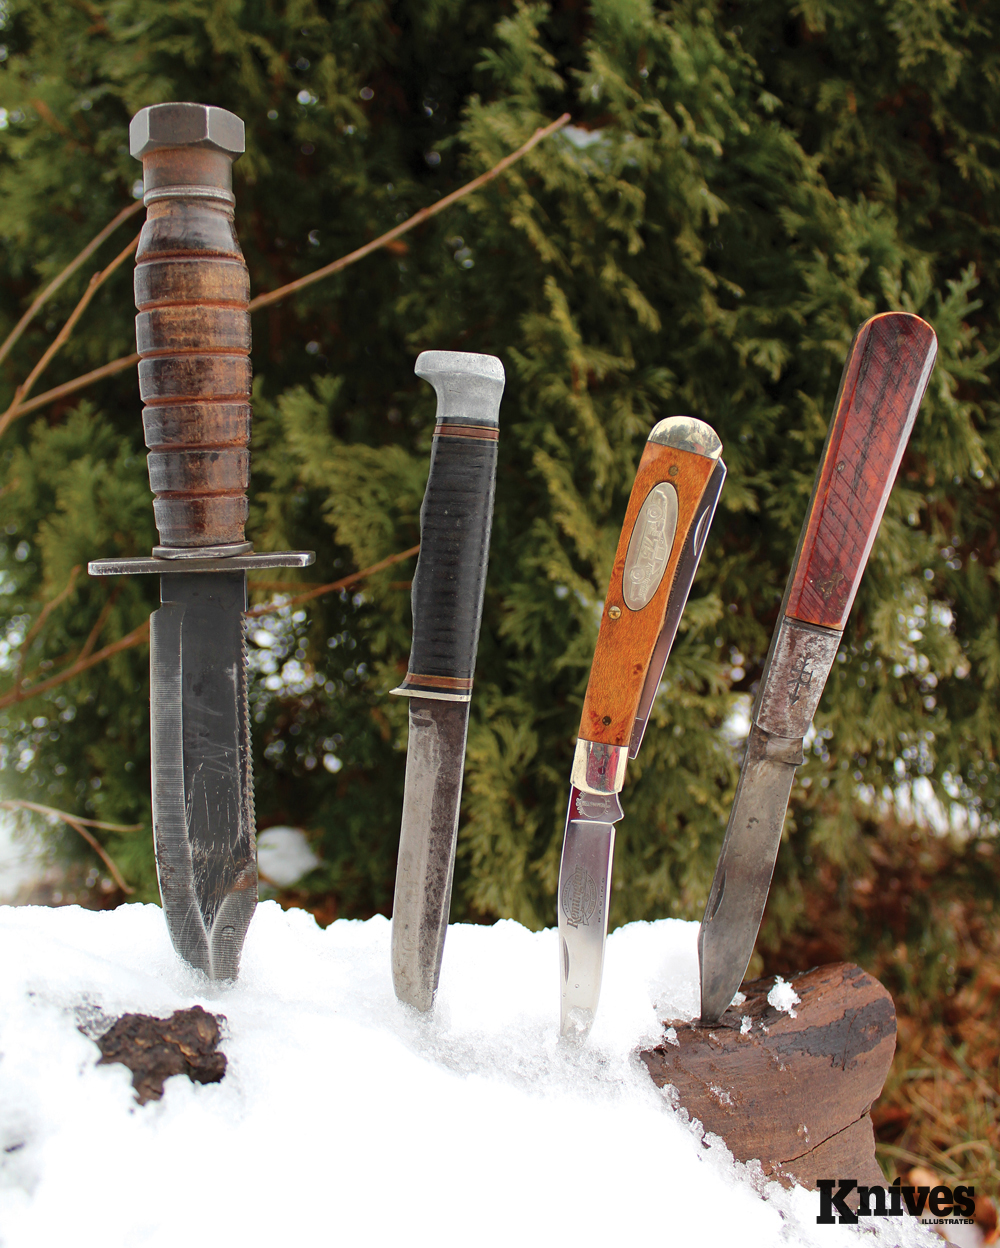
(791, 1092)
(626, 640)
(884, 379)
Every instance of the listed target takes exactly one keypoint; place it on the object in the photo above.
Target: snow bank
(344, 1117)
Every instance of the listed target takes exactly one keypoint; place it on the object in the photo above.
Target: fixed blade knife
(673, 500)
(447, 599)
(192, 292)
(884, 379)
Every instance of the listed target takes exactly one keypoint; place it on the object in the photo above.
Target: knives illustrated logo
(649, 549)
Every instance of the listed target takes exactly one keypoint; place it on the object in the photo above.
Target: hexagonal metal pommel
(186, 125)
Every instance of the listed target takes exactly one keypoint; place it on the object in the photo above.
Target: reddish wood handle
(884, 380)
(627, 637)
(193, 335)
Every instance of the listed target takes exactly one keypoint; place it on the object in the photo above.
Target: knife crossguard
(679, 459)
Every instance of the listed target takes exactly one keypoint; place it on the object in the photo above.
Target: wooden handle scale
(675, 467)
(884, 379)
(193, 329)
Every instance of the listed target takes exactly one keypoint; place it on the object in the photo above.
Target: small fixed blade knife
(192, 291)
(673, 500)
(884, 379)
(447, 597)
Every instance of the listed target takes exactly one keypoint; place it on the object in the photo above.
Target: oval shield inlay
(650, 546)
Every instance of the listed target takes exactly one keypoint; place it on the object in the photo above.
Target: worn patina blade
(746, 864)
(584, 888)
(435, 759)
(203, 818)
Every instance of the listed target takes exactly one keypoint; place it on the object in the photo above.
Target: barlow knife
(193, 336)
(884, 380)
(673, 500)
(448, 587)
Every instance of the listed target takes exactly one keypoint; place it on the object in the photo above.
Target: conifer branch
(16, 408)
(425, 214)
(62, 277)
(81, 825)
(275, 296)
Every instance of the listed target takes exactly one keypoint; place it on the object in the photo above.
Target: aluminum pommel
(684, 433)
(186, 125)
(468, 386)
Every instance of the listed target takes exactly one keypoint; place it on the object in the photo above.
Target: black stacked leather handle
(455, 522)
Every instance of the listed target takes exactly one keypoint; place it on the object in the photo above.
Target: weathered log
(792, 1090)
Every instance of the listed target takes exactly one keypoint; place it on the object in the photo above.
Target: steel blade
(746, 864)
(584, 890)
(203, 818)
(435, 759)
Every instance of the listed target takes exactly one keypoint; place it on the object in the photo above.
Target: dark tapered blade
(435, 758)
(203, 819)
(584, 888)
(746, 864)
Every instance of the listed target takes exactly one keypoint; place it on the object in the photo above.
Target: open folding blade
(584, 887)
(203, 817)
(435, 758)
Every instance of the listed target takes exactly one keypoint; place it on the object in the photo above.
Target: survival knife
(447, 597)
(192, 291)
(673, 500)
(884, 379)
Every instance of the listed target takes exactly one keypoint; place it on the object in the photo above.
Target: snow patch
(344, 1114)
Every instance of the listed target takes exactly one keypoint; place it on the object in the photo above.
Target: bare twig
(425, 214)
(16, 408)
(43, 615)
(102, 619)
(81, 826)
(136, 637)
(67, 273)
(274, 296)
(332, 588)
(141, 634)
(78, 383)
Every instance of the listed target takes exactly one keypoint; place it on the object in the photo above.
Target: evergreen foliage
(742, 184)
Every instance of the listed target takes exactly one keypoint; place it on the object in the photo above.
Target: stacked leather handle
(192, 291)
